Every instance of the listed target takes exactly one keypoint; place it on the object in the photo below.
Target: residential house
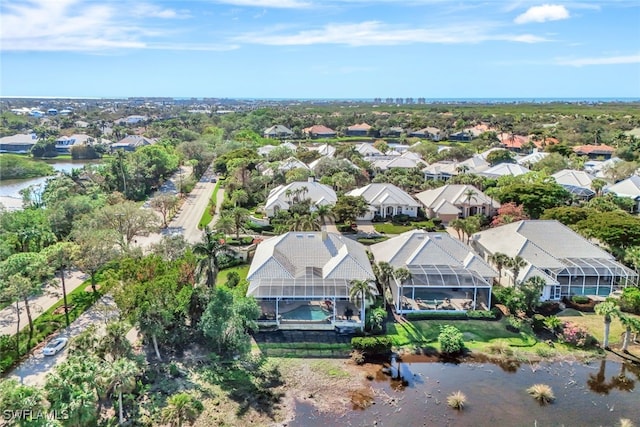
(278, 131)
(629, 188)
(568, 263)
(445, 169)
(462, 136)
(598, 168)
(324, 150)
(430, 132)
(18, 144)
(266, 149)
(392, 132)
(361, 129)
(454, 201)
(131, 120)
(445, 273)
(367, 150)
(283, 196)
(64, 143)
(531, 159)
(402, 161)
(386, 200)
(594, 151)
(319, 131)
(302, 280)
(268, 169)
(131, 143)
(516, 143)
(576, 182)
(502, 169)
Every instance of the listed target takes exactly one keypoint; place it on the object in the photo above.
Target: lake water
(597, 394)
(10, 189)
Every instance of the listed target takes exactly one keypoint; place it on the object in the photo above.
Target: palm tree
(115, 342)
(516, 264)
(181, 408)
(61, 256)
(240, 216)
(122, 379)
(630, 324)
(470, 195)
(458, 225)
(607, 309)
(209, 249)
(597, 185)
(500, 260)
(401, 274)
(239, 197)
(359, 293)
(325, 214)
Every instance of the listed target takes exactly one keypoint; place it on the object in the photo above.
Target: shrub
(538, 322)
(580, 299)
(435, 315)
(372, 345)
(457, 400)
(549, 308)
(574, 334)
(481, 315)
(450, 339)
(630, 300)
(586, 307)
(401, 219)
(553, 323)
(542, 393)
(500, 347)
(514, 324)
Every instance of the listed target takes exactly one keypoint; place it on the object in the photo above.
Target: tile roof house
(576, 182)
(594, 151)
(361, 129)
(301, 278)
(454, 201)
(445, 273)
(531, 159)
(629, 188)
(319, 131)
(278, 131)
(368, 150)
(569, 263)
(18, 144)
(283, 196)
(386, 200)
(429, 132)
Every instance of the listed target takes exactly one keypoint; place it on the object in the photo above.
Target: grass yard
(595, 325)
(242, 270)
(207, 215)
(388, 228)
(478, 334)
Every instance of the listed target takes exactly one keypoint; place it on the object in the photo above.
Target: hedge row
(372, 346)
(453, 315)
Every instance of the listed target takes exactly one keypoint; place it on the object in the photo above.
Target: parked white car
(54, 346)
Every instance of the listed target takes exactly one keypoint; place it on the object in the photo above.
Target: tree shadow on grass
(250, 383)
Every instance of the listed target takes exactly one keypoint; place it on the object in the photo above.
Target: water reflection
(599, 383)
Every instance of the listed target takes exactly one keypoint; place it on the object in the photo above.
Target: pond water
(10, 189)
(597, 394)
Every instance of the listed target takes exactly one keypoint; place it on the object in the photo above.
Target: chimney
(323, 233)
(311, 179)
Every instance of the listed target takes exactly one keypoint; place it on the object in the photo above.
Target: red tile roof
(593, 149)
(318, 130)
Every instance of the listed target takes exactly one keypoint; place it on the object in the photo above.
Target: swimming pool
(307, 312)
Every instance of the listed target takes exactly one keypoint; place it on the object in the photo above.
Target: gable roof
(319, 130)
(593, 149)
(360, 127)
(278, 130)
(573, 178)
(309, 264)
(319, 194)
(421, 248)
(377, 194)
(629, 187)
(397, 162)
(503, 169)
(454, 194)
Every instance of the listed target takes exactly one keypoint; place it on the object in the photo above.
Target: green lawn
(595, 325)
(242, 270)
(478, 334)
(207, 215)
(388, 228)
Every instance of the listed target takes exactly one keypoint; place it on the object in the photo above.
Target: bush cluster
(574, 334)
(451, 340)
(372, 346)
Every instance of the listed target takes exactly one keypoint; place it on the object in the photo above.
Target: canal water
(10, 189)
(595, 394)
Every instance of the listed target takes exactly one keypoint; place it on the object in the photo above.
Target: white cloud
(375, 33)
(606, 60)
(153, 11)
(544, 13)
(276, 4)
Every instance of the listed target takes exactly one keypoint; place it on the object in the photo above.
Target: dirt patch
(90, 289)
(60, 310)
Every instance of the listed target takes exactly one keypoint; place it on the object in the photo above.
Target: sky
(338, 49)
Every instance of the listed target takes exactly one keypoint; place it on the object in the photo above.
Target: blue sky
(320, 48)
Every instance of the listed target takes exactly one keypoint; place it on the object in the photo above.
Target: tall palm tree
(516, 264)
(359, 292)
(325, 214)
(630, 324)
(209, 249)
(122, 379)
(458, 225)
(61, 257)
(469, 195)
(181, 408)
(607, 309)
(240, 216)
(500, 260)
(225, 223)
(115, 342)
(401, 274)
(597, 185)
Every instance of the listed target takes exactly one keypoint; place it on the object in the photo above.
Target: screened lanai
(442, 287)
(592, 276)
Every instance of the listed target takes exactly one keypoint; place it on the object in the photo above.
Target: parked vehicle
(54, 346)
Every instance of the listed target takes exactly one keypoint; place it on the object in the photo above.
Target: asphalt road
(33, 371)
